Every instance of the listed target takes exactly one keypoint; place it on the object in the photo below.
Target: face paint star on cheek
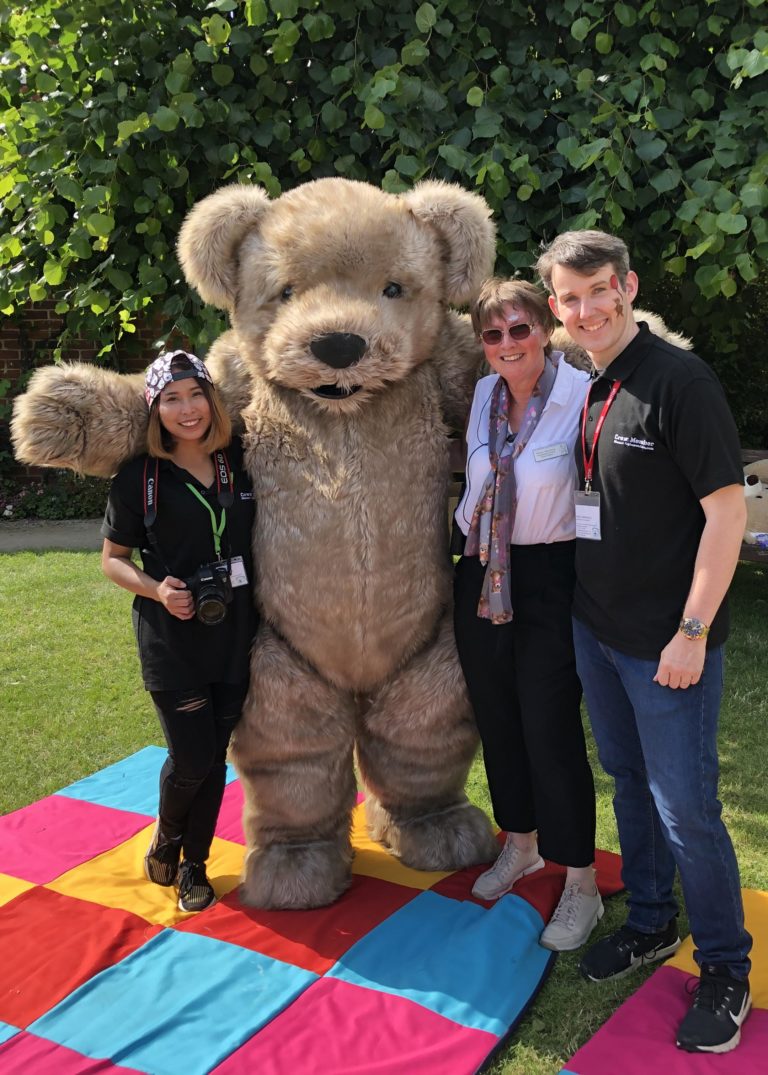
(618, 305)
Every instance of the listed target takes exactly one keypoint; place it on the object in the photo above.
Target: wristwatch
(693, 629)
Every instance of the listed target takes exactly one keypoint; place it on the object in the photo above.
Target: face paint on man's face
(618, 305)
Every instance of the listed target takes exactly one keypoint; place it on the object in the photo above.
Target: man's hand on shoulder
(681, 662)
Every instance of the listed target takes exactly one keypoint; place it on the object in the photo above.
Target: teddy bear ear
(210, 236)
(464, 222)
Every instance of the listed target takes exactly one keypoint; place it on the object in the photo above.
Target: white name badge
(552, 451)
(237, 574)
(587, 515)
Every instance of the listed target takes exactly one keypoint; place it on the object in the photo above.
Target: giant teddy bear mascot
(347, 367)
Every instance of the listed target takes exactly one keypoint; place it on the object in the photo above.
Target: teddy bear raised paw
(348, 368)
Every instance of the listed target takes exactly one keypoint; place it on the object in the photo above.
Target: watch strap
(693, 628)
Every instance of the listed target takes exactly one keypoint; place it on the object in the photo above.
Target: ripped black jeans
(197, 723)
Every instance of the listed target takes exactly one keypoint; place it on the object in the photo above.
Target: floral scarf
(490, 532)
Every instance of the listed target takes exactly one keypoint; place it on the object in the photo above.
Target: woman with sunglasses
(187, 505)
(513, 591)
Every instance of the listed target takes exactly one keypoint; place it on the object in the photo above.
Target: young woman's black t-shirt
(177, 653)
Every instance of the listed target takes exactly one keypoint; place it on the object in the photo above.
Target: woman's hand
(172, 593)
(174, 596)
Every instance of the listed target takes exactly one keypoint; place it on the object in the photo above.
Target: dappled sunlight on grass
(72, 697)
(568, 1010)
(72, 702)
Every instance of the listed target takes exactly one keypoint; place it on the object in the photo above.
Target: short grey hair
(585, 252)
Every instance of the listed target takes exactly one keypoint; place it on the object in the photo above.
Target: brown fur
(80, 417)
(356, 649)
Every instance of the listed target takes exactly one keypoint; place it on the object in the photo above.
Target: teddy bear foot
(295, 876)
(448, 839)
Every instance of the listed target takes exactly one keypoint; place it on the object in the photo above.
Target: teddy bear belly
(356, 600)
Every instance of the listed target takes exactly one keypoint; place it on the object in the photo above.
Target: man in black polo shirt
(659, 518)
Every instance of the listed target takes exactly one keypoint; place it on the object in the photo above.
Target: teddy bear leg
(415, 745)
(293, 752)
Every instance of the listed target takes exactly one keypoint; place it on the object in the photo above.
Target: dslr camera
(211, 590)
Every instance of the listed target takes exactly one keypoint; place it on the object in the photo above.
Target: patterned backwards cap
(159, 373)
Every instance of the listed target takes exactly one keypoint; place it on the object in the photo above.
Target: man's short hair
(585, 252)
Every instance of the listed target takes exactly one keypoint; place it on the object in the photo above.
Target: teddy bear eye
(286, 293)
(392, 290)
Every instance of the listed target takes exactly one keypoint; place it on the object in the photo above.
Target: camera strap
(150, 511)
(224, 495)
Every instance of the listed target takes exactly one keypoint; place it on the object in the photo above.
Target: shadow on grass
(568, 1011)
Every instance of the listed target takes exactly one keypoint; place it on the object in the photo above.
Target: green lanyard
(217, 528)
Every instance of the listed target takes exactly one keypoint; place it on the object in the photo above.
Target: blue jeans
(660, 747)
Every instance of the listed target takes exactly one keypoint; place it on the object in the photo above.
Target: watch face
(693, 628)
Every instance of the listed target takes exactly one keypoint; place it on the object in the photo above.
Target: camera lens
(211, 609)
(212, 592)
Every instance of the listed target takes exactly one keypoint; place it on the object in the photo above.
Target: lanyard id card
(587, 514)
(237, 572)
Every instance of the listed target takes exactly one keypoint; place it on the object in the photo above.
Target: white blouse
(545, 470)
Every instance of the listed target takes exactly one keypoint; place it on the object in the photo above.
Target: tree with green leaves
(645, 119)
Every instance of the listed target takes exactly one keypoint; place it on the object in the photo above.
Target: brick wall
(27, 340)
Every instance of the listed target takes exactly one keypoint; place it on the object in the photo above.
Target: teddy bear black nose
(338, 349)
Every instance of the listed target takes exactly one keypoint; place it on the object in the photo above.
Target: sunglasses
(492, 336)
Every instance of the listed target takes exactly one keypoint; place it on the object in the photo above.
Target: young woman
(513, 592)
(187, 506)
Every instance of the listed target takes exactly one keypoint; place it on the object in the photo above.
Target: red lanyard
(589, 463)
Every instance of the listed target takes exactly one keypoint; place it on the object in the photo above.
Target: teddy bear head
(337, 288)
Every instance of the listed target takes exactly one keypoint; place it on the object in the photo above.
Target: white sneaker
(576, 915)
(509, 867)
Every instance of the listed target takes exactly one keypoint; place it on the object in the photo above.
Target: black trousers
(526, 696)
(197, 723)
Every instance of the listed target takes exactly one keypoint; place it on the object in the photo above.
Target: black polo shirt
(668, 441)
(177, 654)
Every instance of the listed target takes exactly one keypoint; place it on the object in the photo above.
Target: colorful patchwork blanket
(640, 1036)
(102, 973)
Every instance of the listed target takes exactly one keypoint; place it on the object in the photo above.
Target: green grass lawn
(71, 702)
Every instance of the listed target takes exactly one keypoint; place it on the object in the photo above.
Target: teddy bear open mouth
(335, 391)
